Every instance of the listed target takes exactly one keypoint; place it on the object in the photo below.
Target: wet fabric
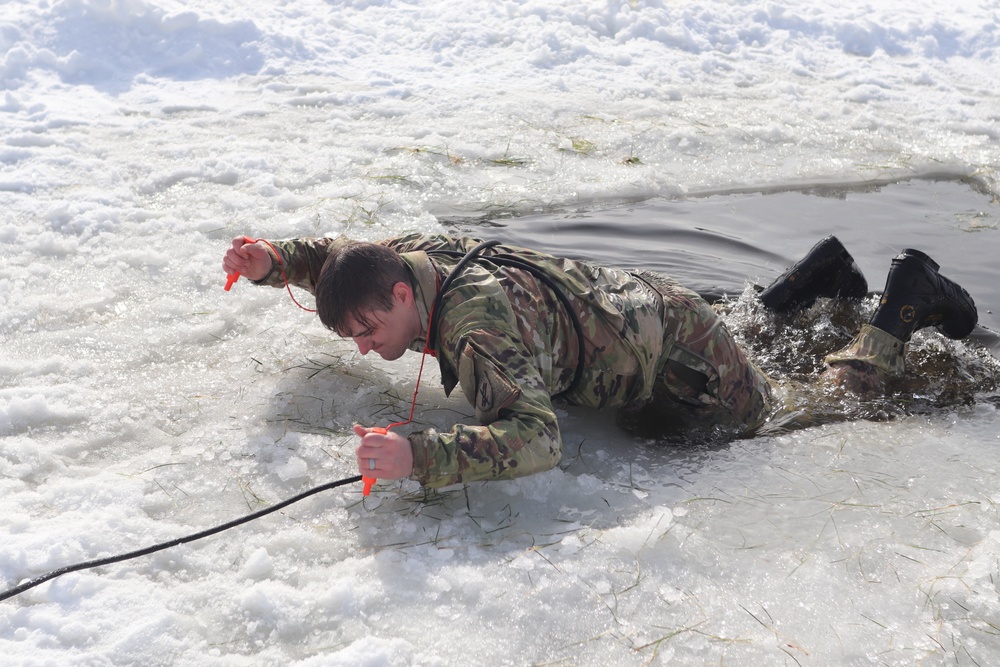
(873, 346)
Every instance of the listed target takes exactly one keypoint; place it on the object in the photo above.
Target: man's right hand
(248, 258)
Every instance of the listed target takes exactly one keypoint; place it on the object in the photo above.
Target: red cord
(370, 481)
(233, 277)
(367, 481)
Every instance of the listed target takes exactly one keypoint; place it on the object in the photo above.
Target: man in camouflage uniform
(515, 328)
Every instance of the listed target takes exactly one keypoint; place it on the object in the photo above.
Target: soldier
(516, 328)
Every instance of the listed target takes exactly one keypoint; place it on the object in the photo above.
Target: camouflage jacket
(510, 342)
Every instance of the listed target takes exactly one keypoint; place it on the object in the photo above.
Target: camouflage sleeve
(301, 259)
(519, 434)
(417, 241)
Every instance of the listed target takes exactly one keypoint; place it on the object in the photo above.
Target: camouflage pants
(705, 380)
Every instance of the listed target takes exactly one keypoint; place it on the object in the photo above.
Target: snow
(139, 402)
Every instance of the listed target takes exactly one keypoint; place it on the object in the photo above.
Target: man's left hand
(390, 453)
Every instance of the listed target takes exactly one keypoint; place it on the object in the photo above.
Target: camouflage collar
(426, 280)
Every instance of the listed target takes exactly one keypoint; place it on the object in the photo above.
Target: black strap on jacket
(446, 285)
(515, 262)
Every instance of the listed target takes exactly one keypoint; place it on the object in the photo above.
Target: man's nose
(364, 345)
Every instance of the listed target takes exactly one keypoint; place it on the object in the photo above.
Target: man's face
(389, 332)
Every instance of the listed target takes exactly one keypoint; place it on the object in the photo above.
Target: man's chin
(390, 355)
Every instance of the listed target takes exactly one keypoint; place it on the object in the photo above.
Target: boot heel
(828, 270)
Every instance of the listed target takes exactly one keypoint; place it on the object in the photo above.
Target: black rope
(581, 341)
(432, 326)
(172, 543)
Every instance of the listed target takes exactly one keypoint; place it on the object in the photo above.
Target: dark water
(716, 244)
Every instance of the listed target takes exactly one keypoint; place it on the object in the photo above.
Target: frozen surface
(139, 402)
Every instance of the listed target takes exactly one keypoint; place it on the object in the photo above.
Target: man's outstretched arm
(299, 261)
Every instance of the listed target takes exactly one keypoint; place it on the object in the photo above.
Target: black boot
(827, 271)
(917, 296)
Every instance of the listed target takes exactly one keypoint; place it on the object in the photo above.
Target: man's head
(365, 292)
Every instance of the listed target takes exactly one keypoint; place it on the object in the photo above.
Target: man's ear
(402, 293)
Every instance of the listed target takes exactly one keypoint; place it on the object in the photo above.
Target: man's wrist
(421, 457)
(264, 279)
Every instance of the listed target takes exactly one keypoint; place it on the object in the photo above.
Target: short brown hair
(356, 280)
